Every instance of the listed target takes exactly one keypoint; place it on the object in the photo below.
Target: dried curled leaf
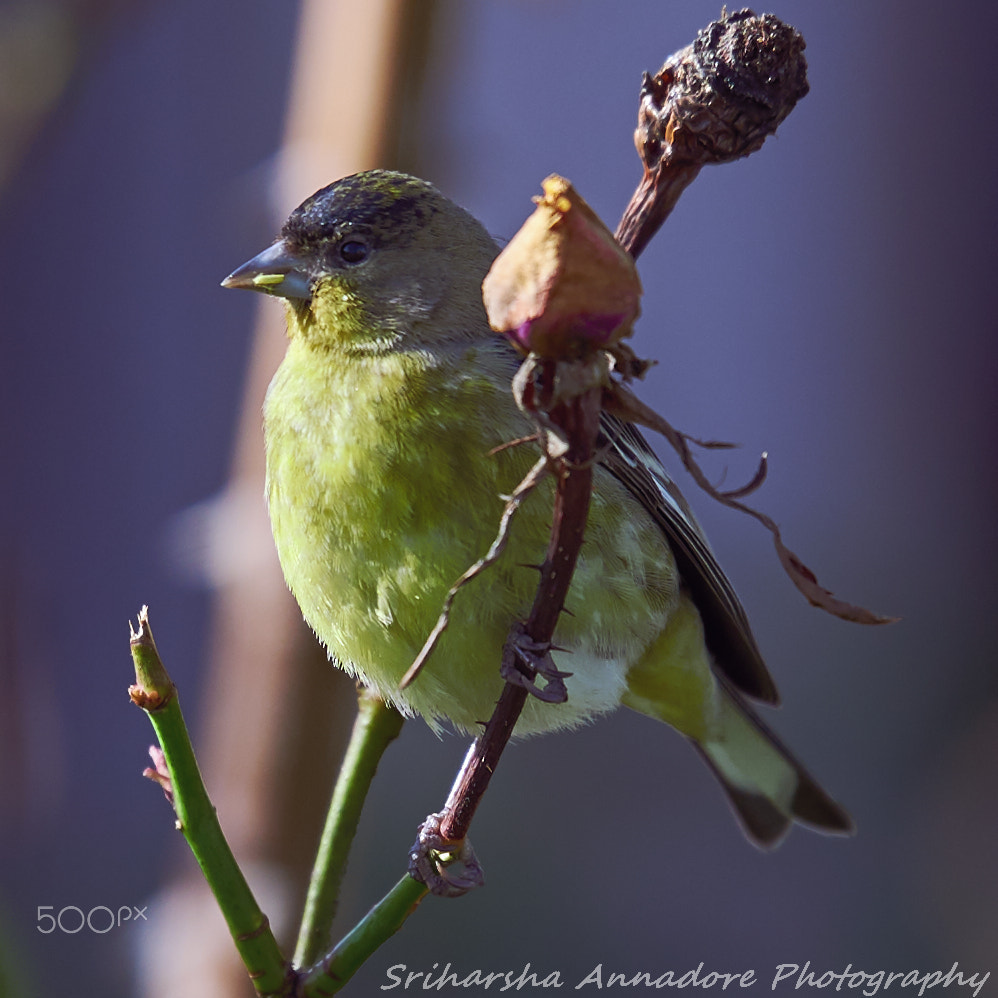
(563, 286)
(626, 405)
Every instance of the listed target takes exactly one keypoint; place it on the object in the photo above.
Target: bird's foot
(523, 660)
(449, 869)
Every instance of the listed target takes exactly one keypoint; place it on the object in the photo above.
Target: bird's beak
(275, 271)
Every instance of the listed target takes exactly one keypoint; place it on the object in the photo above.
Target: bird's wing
(629, 458)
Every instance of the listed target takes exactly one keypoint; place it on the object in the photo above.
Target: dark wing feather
(729, 638)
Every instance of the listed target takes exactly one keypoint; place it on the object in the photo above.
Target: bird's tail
(767, 787)
(675, 681)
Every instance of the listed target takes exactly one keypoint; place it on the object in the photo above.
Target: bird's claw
(449, 869)
(524, 659)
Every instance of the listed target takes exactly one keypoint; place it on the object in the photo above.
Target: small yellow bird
(384, 487)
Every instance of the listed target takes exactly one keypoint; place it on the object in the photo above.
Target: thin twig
(331, 973)
(513, 503)
(376, 726)
(579, 419)
(177, 771)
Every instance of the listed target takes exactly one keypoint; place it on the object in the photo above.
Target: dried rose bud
(563, 286)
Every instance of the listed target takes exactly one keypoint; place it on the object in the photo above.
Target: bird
(385, 429)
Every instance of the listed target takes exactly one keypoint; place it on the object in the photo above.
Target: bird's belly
(371, 544)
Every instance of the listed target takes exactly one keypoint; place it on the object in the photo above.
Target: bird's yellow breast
(383, 491)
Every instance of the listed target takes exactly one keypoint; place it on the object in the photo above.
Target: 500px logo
(100, 919)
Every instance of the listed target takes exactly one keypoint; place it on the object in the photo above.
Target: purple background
(829, 300)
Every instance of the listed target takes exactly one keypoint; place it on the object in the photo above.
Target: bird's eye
(353, 251)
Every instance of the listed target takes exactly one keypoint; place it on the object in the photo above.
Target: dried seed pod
(719, 98)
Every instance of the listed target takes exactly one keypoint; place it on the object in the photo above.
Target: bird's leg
(524, 659)
(448, 868)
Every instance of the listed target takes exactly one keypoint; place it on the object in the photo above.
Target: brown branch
(580, 421)
(714, 101)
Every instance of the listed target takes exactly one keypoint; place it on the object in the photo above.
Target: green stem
(376, 726)
(179, 775)
(381, 922)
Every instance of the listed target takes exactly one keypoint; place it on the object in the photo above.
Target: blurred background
(829, 300)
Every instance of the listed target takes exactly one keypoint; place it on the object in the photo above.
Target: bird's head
(376, 261)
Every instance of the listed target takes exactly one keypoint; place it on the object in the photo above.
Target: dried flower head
(563, 287)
